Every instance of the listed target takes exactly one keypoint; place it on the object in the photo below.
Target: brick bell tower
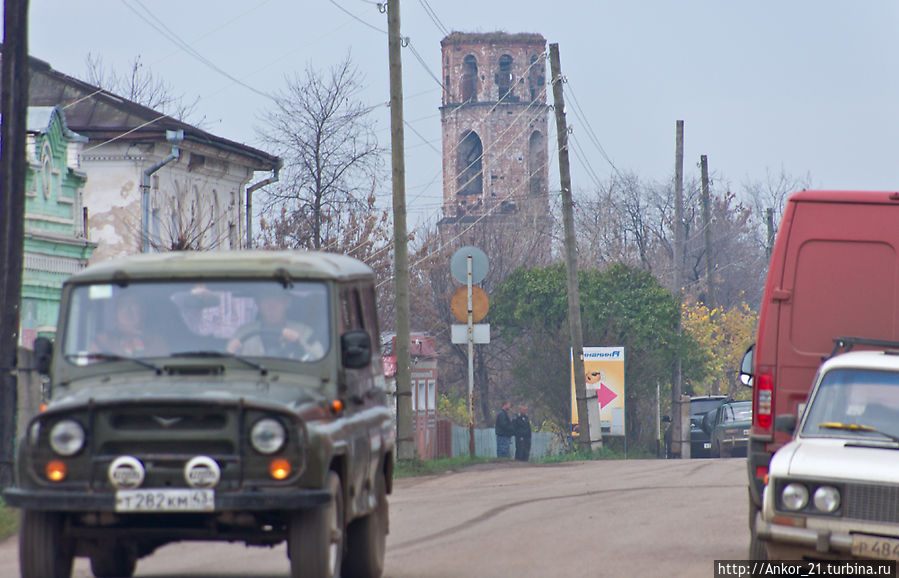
(494, 118)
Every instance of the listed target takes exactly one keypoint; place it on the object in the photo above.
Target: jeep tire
(44, 552)
(367, 539)
(315, 537)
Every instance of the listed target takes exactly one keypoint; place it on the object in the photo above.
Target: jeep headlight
(794, 496)
(827, 499)
(67, 437)
(268, 436)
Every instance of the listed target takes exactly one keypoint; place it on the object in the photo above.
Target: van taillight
(765, 393)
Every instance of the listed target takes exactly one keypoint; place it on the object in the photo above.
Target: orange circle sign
(479, 304)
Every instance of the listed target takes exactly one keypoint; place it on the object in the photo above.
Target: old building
(154, 183)
(55, 243)
(494, 120)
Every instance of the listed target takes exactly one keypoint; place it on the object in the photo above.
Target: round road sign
(459, 265)
(479, 304)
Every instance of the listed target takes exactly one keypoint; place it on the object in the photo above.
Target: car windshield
(852, 402)
(206, 318)
(701, 406)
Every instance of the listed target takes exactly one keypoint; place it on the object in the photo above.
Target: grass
(9, 521)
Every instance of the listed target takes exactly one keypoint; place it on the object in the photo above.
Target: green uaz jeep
(234, 396)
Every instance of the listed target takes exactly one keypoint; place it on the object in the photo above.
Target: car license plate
(867, 546)
(707, 445)
(746, 432)
(165, 500)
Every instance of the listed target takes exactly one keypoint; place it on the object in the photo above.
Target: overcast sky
(810, 87)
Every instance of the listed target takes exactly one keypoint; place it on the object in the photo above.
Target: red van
(834, 273)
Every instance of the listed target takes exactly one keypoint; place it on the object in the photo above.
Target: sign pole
(470, 366)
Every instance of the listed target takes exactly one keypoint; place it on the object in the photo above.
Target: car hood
(837, 458)
(273, 389)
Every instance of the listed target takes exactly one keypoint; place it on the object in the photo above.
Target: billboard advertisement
(604, 375)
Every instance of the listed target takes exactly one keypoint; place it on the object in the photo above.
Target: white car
(833, 492)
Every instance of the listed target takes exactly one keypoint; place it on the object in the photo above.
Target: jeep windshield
(211, 319)
(855, 404)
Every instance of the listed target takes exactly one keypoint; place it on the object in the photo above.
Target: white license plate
(875, 547)
(165, 500)
(707, 445)
(745, 432)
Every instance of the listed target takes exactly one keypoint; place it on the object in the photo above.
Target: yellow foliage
(725, 335)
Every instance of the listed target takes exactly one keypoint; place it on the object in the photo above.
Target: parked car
(832, 491)
(728, 428)
(700, 440)
(231, 396)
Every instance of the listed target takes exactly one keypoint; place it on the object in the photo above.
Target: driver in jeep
(273, 334)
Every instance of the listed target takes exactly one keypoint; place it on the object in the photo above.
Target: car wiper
(220, 355)
(856, 427)
(106, 356)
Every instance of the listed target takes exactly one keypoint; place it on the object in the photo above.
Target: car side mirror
(355, 349)
(785, 423)
(746, 366)
(43, 354)
(666, 419)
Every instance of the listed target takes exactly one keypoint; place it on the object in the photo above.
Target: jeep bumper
(66, 501)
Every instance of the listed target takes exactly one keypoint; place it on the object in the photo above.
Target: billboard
(604, 374)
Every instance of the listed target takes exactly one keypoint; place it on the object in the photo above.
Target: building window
(469, 79)
(536, 79)
(504, 77)
(469, 180)
(536, 164)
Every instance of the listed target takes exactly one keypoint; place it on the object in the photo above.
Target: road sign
(459, 265)
(480, 304)
(480, 333)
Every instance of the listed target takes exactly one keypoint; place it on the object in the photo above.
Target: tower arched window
(536, 164)
(469, 79)
(469, 175)
(536, 78)
(504, 77)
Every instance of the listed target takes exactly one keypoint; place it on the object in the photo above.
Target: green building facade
(56, 242)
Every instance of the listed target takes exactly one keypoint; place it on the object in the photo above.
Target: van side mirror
(746, 366)
(43, 354)
(785, 423)
(355, 349)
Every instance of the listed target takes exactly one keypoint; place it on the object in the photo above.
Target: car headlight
(794, 497)
(827, 499)
(268, 436)
(67, 437)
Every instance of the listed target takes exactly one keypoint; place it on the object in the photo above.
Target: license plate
(875, 547)
(745, 432)
(707, 445)
(165, 500)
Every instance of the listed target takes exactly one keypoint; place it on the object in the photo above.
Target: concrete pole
(707, 228)
(677, 424)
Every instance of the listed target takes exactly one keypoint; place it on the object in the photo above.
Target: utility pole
(590, 430)
(707, 227)
(769, 219)
(676, 390)
(405, 439)
(14, 80)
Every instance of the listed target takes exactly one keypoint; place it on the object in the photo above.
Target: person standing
(504, 431)
(521, 425)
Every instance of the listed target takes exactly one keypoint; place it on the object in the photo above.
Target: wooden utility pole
(676, 422)
(707, 228)
(405, 439)
(14, 80)
(769, 219)
(588, 438)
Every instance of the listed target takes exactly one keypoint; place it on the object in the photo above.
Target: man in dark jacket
(504, 432)
(521, 425)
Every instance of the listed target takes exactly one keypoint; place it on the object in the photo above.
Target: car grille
(871, 502)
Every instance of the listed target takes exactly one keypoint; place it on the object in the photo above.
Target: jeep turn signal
(279, 468)
(336, 406)
(56, 471)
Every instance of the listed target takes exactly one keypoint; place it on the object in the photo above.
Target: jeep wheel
(115, 561)
(315, 537)
(43, 550)
(367, 540)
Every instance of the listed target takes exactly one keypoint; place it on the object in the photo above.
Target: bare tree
(327, 140)
(771, 193)
(139, 85)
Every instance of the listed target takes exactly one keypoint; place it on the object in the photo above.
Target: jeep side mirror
(43, 353)
(666, 419)
(355, 349)
(746, 367)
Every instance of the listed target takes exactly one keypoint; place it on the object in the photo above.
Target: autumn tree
(621, 306)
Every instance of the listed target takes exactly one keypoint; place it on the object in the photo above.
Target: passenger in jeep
(128, 336)
(273, 334)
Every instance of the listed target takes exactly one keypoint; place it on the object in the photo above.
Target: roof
(102, 115)
(40, 118)
(498, 37)
(226, 264)
(877, 360)
(877, 197)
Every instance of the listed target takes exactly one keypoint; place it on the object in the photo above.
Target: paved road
(614, 518)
